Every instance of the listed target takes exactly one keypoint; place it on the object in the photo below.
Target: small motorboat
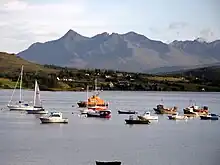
(55, 117)
(126, 112)
(131, 120)
(209, 116)
(100, 114)
(148, 116)
(177, 117)
(108, 163)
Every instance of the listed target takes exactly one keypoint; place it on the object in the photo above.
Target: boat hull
(148, 117)
(208, 118)
(19, 107)
(83, 104)
(127, 112)
(108, 163)
(37, 112)
(194, 113)
(48, 121)
(164, 111)
(99, 114)
(127, 121)
(177, 118)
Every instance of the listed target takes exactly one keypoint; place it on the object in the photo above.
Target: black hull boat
(37, 110)
(209, 117)
(136, 121)
(126, 112)
(100, 114)
(108, 163)
(83, 104)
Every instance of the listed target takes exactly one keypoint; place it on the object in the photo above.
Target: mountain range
(130, 52)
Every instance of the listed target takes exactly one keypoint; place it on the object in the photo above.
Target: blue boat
(209, 116)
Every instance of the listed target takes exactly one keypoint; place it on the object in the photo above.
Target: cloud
(29, 22)
(207, 33)
(25, 22)
(177, 25)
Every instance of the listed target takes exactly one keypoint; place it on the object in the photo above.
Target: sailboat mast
(95, 85)
(87, 95)
(35, 89)
(21, 82)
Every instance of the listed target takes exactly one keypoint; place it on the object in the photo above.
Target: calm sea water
(24, 141)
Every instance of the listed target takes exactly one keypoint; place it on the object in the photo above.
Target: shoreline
(72, 90)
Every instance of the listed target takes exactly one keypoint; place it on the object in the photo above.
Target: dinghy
(148, 116)
(177, 117)
(126, 112)
(108, 163)
(209, 116)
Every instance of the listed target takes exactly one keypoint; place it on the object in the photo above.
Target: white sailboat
(20, 105)
(37, 108)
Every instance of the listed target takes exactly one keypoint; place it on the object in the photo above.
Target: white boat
(177, 117)
(37, 108)
(148, 116)
(55, 117)
(19, 105)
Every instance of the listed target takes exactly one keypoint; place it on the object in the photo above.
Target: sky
(24, 22)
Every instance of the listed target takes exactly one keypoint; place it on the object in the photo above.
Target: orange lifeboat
(94, 100)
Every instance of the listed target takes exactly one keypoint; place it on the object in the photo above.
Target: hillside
(206, 74)
(56, 78)
(129, 52)
(10, 63)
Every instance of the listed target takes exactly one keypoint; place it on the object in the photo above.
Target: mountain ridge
(127, 52)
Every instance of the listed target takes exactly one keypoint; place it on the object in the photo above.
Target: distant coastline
(56, 78)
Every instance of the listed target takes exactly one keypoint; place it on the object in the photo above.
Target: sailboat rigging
(20, 105)
(37, 108)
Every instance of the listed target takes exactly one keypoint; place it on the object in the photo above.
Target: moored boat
(20, 105)
(177, 117)
(108, 163)
(94, 100)
(209, 116)
(148, 116)
(83, 104)
(131, 121)
(196, 110)
(127, 112)
(162, 110)
(37, 108)
(55, 117)
(100, 114)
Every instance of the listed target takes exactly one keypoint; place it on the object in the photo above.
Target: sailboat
(37, 108)
(20, 105)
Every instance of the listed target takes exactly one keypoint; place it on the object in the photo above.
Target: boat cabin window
(55, 115)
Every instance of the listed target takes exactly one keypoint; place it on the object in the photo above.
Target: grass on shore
(6, 83)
